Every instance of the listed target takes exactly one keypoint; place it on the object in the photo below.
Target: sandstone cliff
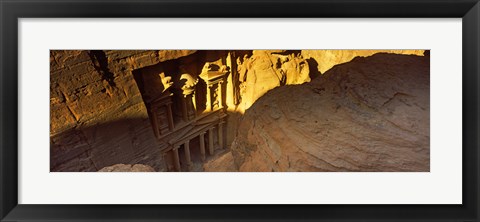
(97, 115)
(127, 168)
(326, 59)
(98, 110)
(371, 114)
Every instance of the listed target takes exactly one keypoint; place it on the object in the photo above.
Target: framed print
(224, 110)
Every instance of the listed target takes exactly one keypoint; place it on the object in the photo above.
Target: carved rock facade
(173, 110)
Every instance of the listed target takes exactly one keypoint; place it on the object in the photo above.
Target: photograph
(259, 110)
(278, 110)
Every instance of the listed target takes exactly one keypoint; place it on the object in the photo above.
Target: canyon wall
(97, 115)
(371, 114)
(97, 97)
(326, 59)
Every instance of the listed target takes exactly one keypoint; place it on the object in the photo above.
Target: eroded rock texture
(100, 112)
(97, 115)
(371, 114)
(223, 163)
(326, 59)
(127, 168)
(267, 69)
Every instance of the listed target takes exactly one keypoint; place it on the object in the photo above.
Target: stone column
(220, 95)
(155, 122)
(220, 135)
(191, 110)
(176, 159)
(184, 109)
(165, 162)
(209, 98)
(170, 116)
(186, 146)
(210, 141)
(202, 145)
(194, 103)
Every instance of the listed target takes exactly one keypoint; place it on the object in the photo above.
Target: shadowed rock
(127, 168)
(371, 114)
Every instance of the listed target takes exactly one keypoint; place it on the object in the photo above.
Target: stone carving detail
(214, 77)
(185, 132)
(168, 108)
(185, 94)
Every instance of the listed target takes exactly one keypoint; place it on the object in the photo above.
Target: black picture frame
(11, 11)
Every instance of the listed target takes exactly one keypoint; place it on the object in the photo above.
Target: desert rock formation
(127, 168)
(99, 108)
(371, 114)
(326, 59)
(97, 115)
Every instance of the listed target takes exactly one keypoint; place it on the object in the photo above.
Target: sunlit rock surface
(127, 168)
(265, 70)
(223, 163)
(98, 117)
(371, 114)
(326, 59)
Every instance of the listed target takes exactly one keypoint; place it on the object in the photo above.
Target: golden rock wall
(97, 114)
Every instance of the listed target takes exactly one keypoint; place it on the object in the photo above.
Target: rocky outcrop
(371, 114)
(97, 97)
(127, 168)
(97, 115)
(326, 59)
(267, 69)
(222, 163)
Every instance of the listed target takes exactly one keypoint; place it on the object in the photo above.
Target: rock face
(97, 115)
(267, 69)
(127, 168)
(326, 59)
(223, 163)
(371, 114)
(97, 97)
